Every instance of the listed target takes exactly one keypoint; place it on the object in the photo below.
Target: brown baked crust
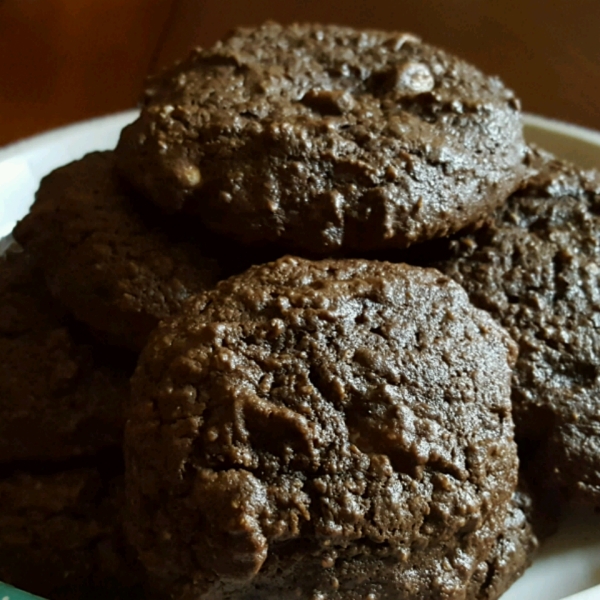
(60, 536)
(380, 572)
(512, 553)
(324, 138)
(117, 268)
(313, 408)
(57, 398)
(535, 268)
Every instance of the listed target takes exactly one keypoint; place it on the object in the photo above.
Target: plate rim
(22, 146)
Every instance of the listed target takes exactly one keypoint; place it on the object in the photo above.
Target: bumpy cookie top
(475, 565)
(323, 138)
(512, 553)
(536, 268)
(118, 269)
(330, 402)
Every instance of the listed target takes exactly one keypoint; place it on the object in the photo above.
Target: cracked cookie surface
(323, 138)
(536, 269)
(116, 267)
(346, 420)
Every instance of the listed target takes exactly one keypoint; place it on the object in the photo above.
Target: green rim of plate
(7, 592)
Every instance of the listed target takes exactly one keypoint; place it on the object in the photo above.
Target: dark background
(66, 60)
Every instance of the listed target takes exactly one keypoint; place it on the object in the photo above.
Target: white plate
(569, 562)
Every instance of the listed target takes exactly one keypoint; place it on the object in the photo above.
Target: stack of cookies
(351, 302)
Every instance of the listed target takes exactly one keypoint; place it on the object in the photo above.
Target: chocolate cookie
(536, 269)
(117, 269)
(337, 427)
(59, 397)
(511, 554)
(321, 138)
(61, 536)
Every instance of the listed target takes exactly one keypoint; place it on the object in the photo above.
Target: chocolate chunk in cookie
(323, 138)
(337, 427)
(59, 397)
(536, 269)
(118, 269)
